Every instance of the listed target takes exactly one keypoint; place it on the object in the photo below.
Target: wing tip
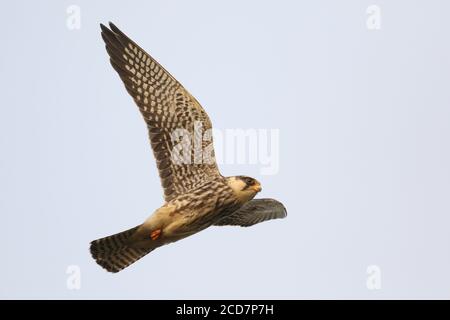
(113, 27)
(284, 211)
(110, 24)
(278, 203)
(103, 27)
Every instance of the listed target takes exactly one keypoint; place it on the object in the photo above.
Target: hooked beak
(257, 187)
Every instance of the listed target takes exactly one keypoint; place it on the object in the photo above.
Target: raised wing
(169, 110)
(255, 211)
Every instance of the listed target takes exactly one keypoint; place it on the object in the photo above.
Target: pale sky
(362, 116)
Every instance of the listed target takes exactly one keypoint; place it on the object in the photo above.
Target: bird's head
(244, 188)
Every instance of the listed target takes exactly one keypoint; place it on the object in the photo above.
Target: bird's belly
(193, 220)
(201, 220)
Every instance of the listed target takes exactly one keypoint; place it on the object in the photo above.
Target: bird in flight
(196, 195)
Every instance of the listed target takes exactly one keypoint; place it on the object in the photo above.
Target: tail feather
(113, 253)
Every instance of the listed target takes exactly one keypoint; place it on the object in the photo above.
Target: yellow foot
(155, 234)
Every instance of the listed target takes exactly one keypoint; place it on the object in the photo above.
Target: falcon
(196, 195)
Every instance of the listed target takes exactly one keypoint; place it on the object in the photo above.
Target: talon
(155, 234)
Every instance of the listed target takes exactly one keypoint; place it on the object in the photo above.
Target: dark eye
(249, 181)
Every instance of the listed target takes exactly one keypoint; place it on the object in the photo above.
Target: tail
(114, 254)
